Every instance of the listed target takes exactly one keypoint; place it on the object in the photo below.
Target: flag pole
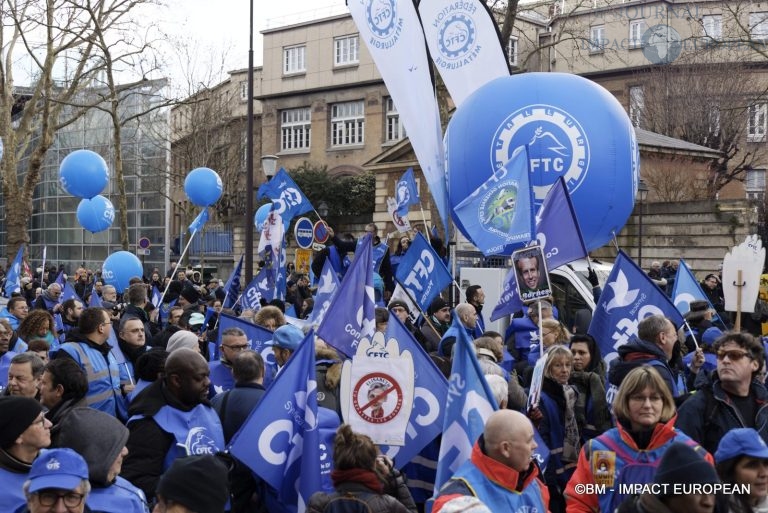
(424, 219)
(426, 317)
(178, 263)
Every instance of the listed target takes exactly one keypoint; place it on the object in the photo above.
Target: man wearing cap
(440, 316)
(100, 439)
(192, 484)
(24, 431)
(500, 471)
(170, 419)
(233, 342)
(58, 481)
(699, 319)
(400, 309)
(285, 341)
(732, 398)
(94, 356)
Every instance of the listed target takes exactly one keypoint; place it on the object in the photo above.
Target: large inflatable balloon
(261, 215)
(203, 186)
(573, 127)
(83, 173)
(95, 214)
(119, 268)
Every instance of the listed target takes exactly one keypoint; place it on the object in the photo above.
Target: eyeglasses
(237, 348)
(49, 498)
(734, 355)
(639, 398)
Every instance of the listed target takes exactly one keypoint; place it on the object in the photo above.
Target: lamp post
(642, 195)
(269, 165)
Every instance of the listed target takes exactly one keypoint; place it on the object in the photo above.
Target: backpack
(348, 502)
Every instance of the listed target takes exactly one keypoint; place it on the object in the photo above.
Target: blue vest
(197, 431)
(11, 496)
(104, 392)
(611, 442)
(498, 498)
(221, 378)
(120, 497)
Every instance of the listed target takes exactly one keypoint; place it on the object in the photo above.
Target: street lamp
(642, 195)
(322, 209)
(268, 165)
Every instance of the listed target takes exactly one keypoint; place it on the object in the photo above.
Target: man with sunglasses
(58, 483)
(732, 397)
(233, 342)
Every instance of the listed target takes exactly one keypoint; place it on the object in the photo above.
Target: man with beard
(171, 418)
(476, 298)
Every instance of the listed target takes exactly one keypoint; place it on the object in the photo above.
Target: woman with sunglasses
(730, 398)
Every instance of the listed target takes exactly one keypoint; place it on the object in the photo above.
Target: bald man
(500, 472)
(467, 314)
(169, 419)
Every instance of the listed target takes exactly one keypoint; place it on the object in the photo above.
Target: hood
(106, 437)
(154, 397)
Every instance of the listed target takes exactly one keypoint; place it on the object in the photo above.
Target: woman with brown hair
(39, 324)
(361, 474)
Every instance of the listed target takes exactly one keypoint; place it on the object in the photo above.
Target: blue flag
(351, 315)
(199, 221)
(13, 278)
(257, 338)
(468, 406)
(94, 301)
(557, 228)
(60, 279)
(510, 301)
(68, 292)
(406, 193)
(687, 289)
(253, 293)
(286, 195)
(280, 441)
(326, 288)
(421, 272)
(157, 296)
(499, 214)
(232, 287)
(165, 309)
(431, 394)
(629, 297)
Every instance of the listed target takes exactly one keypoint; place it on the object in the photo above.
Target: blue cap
(57, 468)
(288, 337)
(741, 442)
(710, 335)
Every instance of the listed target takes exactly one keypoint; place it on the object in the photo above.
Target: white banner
(401, 223)
(464, 45)
(393, 34)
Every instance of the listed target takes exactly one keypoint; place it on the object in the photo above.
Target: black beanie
(16, 415)
(190, 293)
(198, 482)
(681, 464)
(436, 305)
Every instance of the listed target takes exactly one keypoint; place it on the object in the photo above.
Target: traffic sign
(321, 232)
(142, 252)
(144, 243)
(304, 233)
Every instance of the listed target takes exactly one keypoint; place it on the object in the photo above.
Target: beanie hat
(181, 339)
(741, 442)
(97, 436)
(190, 293)
(197, 482)
(436, 305)
(16, 415)
(681, 464)
(398, 302)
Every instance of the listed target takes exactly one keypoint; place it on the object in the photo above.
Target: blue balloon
(95, 214)
(573, 128)
(119, 268)
(261, 215)
(203, 186)
(83, 173)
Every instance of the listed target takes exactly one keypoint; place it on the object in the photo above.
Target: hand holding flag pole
(195, 227)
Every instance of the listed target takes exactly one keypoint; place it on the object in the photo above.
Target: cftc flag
(287, 197)
(406, 193)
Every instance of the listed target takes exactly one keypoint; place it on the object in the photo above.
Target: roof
(657, 142)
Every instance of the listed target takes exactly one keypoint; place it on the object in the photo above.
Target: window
(293, 59)
(757, 122)
(345, 50)
(395, 129)
(597, 39)
(347, 123)
(713, 26)
(636, 104)
(244, 91)
(754, 182)
(295, 129)
(636, 31)
(758, 25)
(512, 51)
